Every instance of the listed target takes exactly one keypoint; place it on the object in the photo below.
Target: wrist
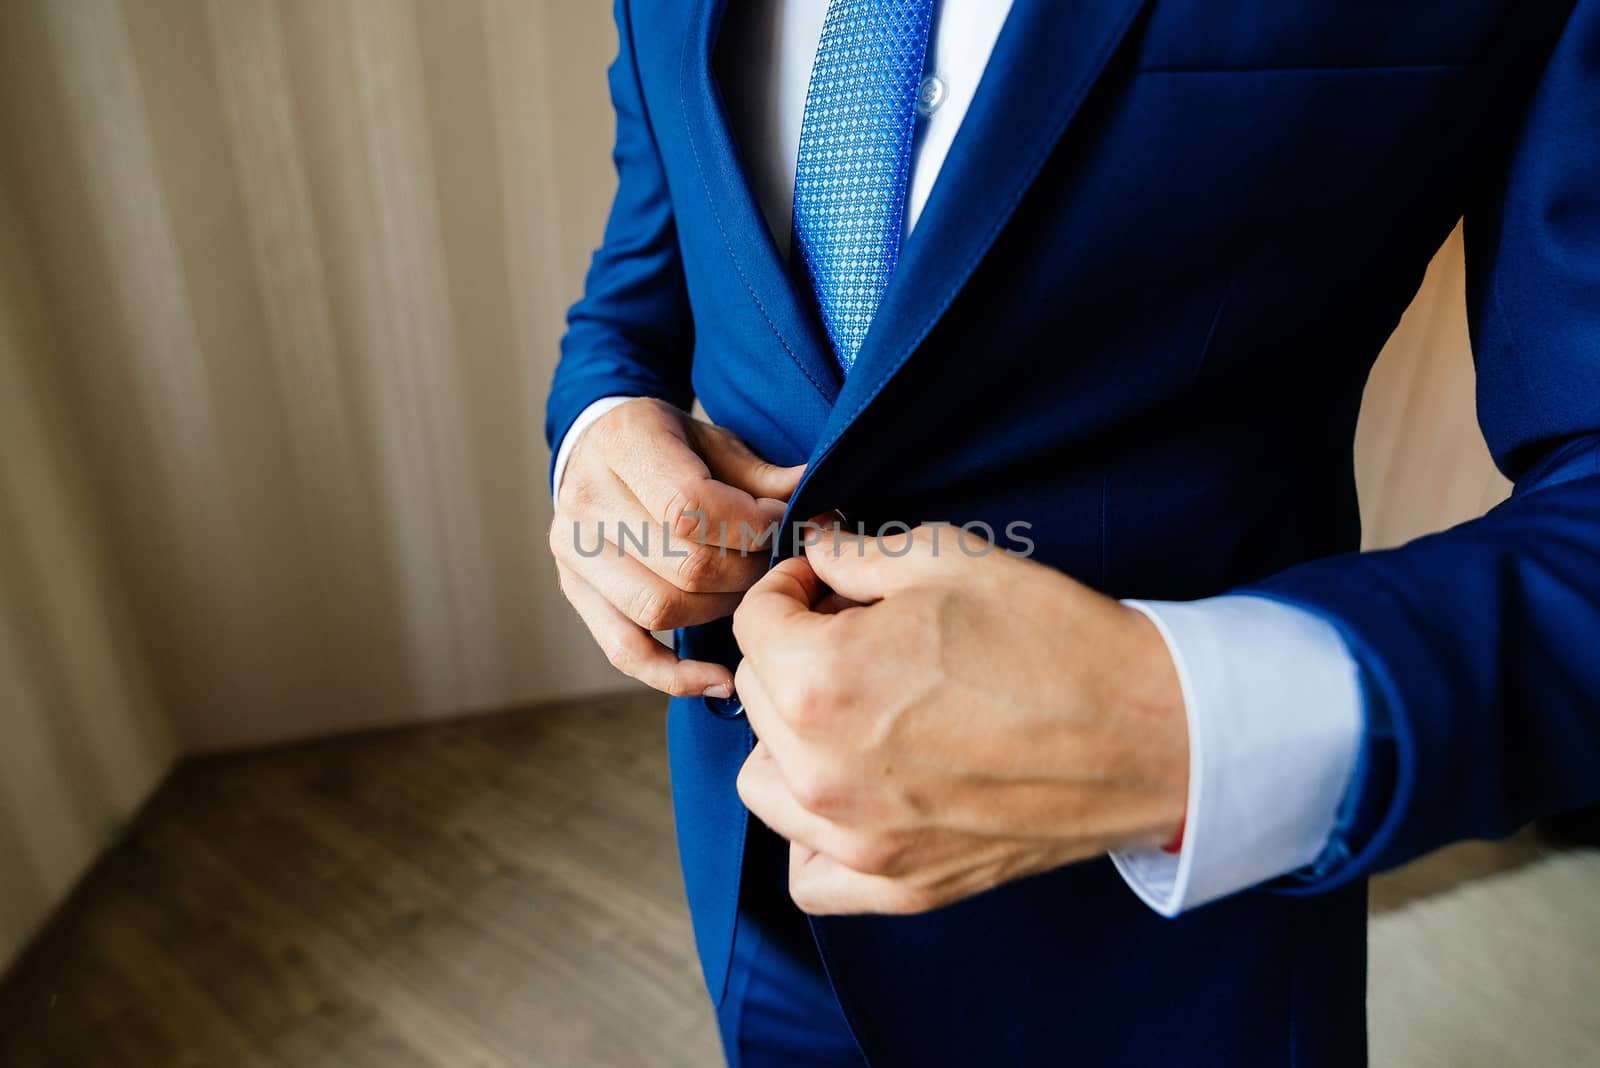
(1151, 703)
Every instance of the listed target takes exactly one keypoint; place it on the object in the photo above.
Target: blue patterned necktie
(855, 155)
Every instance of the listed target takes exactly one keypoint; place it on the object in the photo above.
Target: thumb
(868, 569)
(732, 461)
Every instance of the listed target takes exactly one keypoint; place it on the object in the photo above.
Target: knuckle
(743, 679)
(813, 703)
(820, 794)
(561, 537)
(611, 427)
(684, 514)
(872, 855)
(564, 580)
(742, 784)
(653, 609)
(553, 537)
(679, 685)
(579, 494)
(906, 900)
(698, 570)
(799, 707)
(741, 628)
(803, 895)
(619, 655)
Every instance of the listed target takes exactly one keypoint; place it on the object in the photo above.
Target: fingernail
(721, 691)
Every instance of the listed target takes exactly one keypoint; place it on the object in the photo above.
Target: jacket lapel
(744, 229)
(1048, 55)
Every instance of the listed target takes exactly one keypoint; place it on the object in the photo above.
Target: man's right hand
(650, 468)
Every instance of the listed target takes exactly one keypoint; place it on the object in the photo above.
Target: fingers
(731, 460)
(632, 650)
(641, 595)
(692, 504)
(801, 663)
(778, 607)
(844, 870)
(675, 487)
(833, 603)
(822, 886)
(607, 512)
(868, 569)
(766, 723)
(805, 798)
(836, 868)
(767, 795)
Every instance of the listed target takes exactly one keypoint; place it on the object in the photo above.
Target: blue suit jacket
(1138, 312)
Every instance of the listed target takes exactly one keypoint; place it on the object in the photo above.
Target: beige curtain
(82, 736)
(308, 261)
(281, 283)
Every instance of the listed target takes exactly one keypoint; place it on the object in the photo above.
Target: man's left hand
(935, 719)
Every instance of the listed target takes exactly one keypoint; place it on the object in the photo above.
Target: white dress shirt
(1271, 693)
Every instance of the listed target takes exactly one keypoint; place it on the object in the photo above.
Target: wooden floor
(492, 892)
(497, 891)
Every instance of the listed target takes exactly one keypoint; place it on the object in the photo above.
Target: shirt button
(931, 95)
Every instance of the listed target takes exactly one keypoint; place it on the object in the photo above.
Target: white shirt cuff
(586, 418)
(1275, 714)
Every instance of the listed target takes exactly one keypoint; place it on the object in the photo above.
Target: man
(1106, 276)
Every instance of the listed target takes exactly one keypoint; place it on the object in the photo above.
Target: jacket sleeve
(1479, 647)
(631, 332)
